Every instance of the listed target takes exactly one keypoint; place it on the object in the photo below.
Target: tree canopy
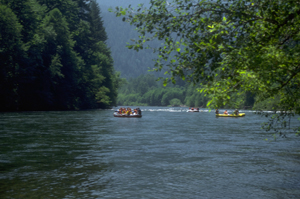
(54, 57)
(229, 47)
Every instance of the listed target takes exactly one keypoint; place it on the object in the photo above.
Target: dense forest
(141, 87)
(64, 55)
(54, 56)
(114, 3)
(146, 90)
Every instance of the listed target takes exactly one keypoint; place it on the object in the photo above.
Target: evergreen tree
(54, 56)
(11, 56)
(97, 28)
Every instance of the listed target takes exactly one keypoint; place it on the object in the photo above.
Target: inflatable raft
(231, 115)
(193, 111)
(116, 114)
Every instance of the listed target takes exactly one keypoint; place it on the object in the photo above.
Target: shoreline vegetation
(145, 90)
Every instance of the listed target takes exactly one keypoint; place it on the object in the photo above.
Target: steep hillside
(114, 3)
(129, 62)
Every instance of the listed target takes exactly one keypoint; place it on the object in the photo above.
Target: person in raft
(139, 111)
(236, 112)
(225, 112)
(217, 111)
(122, 110)
(128, 111)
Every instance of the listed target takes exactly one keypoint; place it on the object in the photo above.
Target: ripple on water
(168, 153)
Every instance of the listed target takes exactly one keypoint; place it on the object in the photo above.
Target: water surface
(168, 153)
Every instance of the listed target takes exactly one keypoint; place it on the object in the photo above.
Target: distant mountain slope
(122, 3)
(129, 62)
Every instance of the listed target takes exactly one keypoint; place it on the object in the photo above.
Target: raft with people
(193, 110)
(231, 115)
(123, 112)
(226, 114)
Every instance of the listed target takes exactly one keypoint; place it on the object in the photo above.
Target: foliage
(175, 102)
(268, 104)
(53, 56)
(229, 47)
(11, 50)
(146, 90)
(195, 99)
(279, 123)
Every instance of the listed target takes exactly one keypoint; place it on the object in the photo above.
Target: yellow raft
(231, 115)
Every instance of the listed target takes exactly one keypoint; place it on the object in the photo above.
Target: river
(168, 153)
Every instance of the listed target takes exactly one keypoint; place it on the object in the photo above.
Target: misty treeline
(54, 56)
(146, 90)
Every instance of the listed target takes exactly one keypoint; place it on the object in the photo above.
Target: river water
(168, 153)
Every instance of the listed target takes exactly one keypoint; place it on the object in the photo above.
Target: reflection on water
(169, 153)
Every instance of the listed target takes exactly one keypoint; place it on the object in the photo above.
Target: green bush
(175, 102)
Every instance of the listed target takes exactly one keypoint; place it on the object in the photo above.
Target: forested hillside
(130, 63)
(54, 56)
(146, 90)
(142, 87)
(123, 3)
